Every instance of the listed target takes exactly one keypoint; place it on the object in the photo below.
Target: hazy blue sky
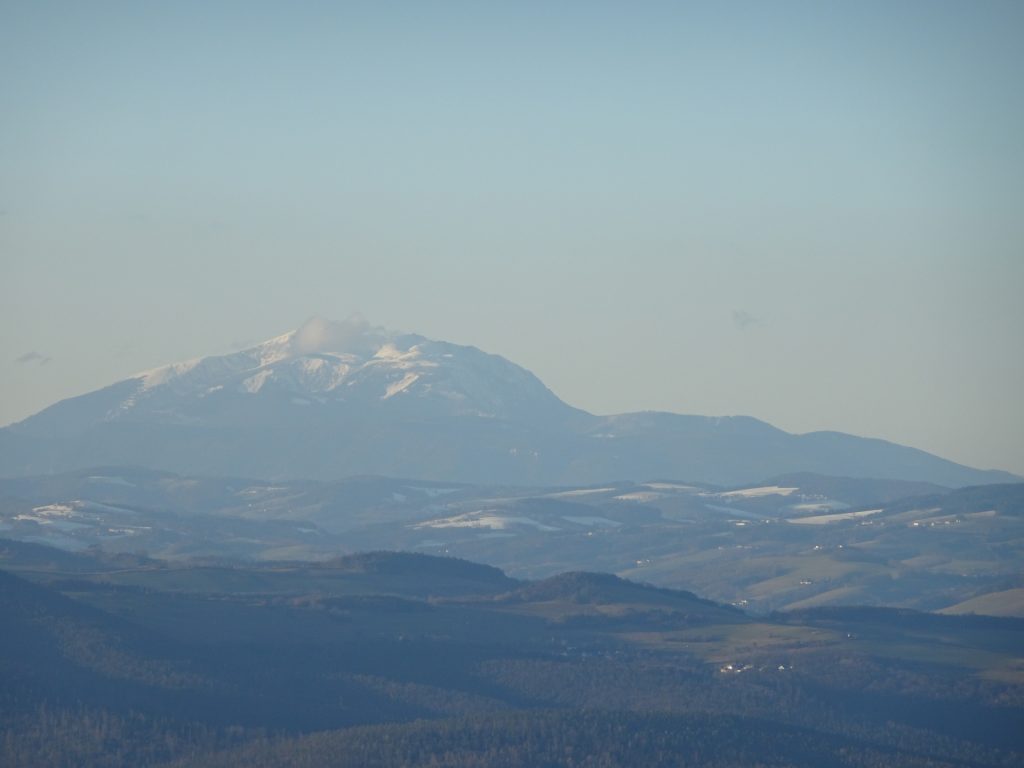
(809, 212)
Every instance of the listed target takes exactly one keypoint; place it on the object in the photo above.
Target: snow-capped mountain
(341, 365)
(331, 400)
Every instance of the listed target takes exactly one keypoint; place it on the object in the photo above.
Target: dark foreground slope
(592, 739)
(397, 660)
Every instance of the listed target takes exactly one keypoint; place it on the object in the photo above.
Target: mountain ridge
(330, 400)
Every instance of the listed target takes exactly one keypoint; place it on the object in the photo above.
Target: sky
(807, 212)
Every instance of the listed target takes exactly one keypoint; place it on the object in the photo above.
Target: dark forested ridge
(389, 659)
(585, 740)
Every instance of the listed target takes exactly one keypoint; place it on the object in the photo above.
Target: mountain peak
(350, 369)
(332, 399)
(353, 337)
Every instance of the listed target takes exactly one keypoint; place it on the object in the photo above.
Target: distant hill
(793, 541)
(419, 566)
(603, 589)
(856, 490)
(332, 400)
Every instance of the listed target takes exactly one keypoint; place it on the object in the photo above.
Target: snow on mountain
(350, 362)
(331, 400)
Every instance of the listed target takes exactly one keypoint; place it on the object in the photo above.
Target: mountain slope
(332, 400)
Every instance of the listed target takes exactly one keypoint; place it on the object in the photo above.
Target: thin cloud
(743, 319)
(32, 357)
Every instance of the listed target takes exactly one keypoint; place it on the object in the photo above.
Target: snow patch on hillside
(764, 490)
(643, 497)
(486, 519)
(578, 492)
(157, 376)
(400, 386)
(254, 384)
(824, 519)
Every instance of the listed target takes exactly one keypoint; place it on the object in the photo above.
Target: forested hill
(389, 659)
